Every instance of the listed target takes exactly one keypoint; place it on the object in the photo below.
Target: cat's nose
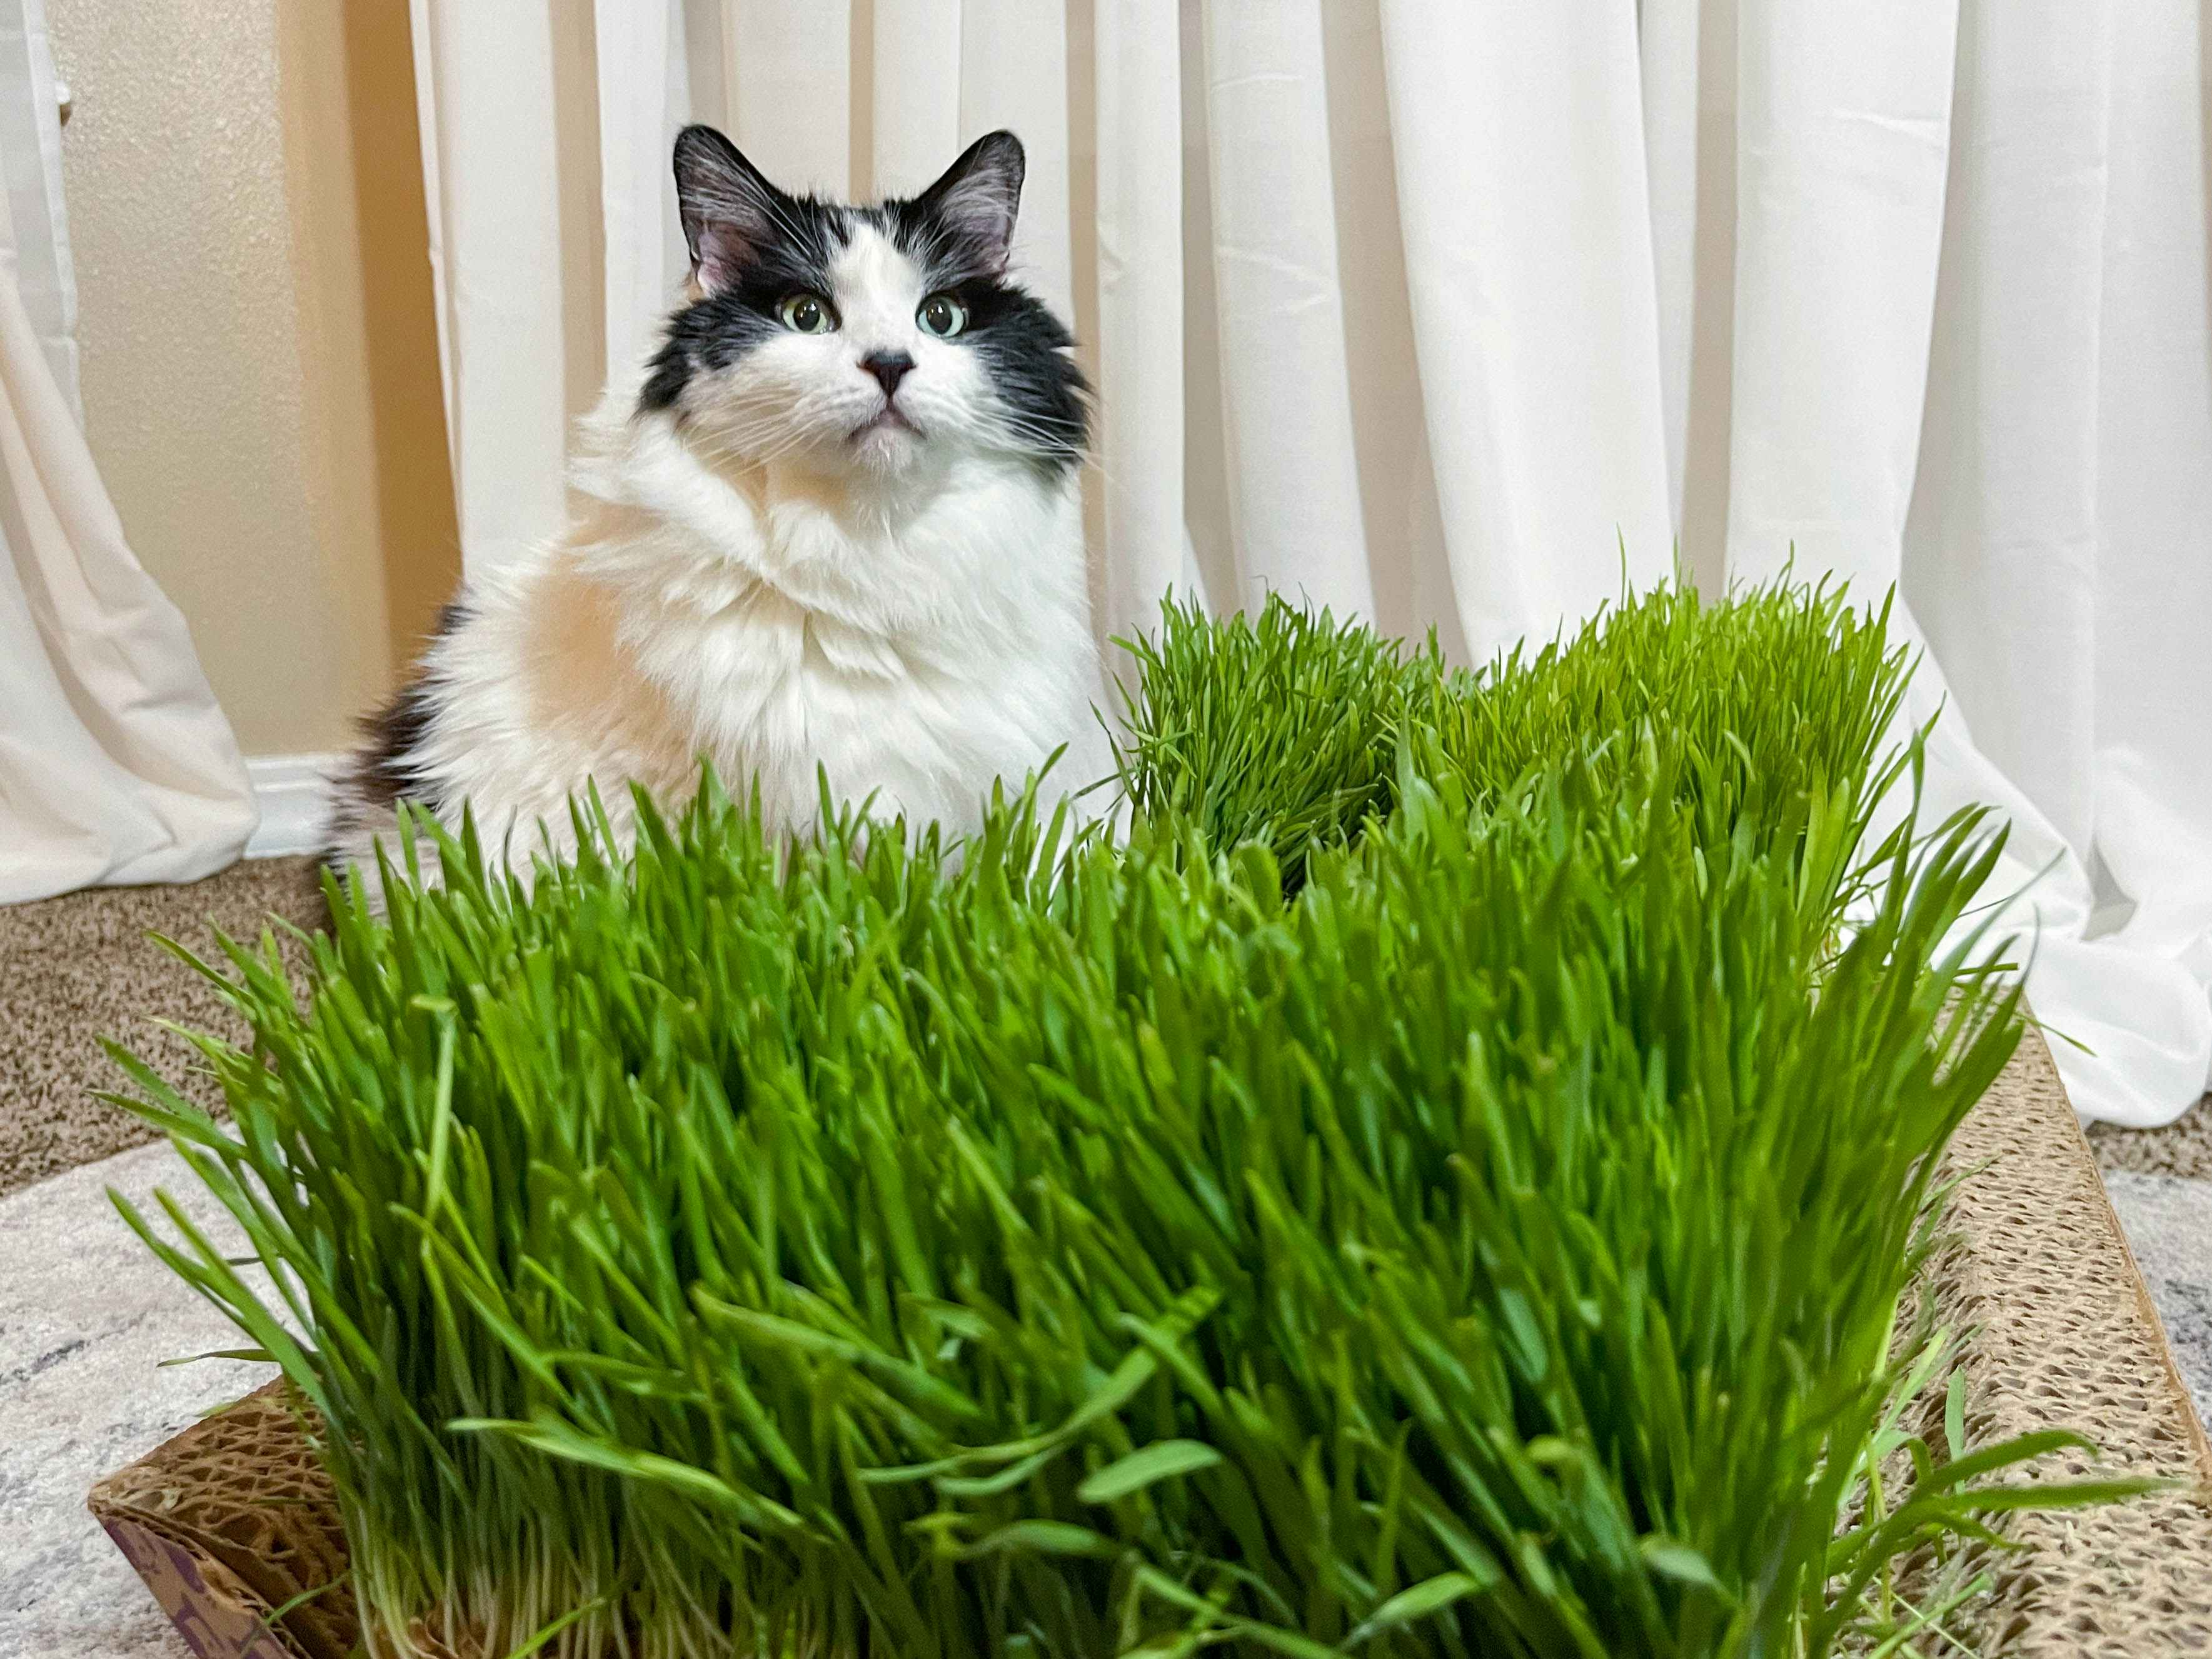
(889, 367)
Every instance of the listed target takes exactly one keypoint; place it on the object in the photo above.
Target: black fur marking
(712, 333)
(1026, 351)
(383, 770)
(395, 733)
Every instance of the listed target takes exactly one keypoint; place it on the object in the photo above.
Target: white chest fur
(915, 646)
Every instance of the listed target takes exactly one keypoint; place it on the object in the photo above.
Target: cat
(833, 523)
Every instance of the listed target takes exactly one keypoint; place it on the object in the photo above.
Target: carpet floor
(2181, 1148)
(86, 1314)
(79, 968)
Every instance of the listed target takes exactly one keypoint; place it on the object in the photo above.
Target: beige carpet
(76, 968)
(2183, 1148)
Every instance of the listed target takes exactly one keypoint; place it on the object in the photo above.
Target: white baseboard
(293, 791)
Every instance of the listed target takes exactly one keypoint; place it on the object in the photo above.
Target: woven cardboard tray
(233, 1522)
(229, 1524)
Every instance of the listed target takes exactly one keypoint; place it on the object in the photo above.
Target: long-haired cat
(834, 525)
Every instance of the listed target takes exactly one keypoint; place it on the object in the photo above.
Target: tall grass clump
(1780, 701)
(1289, 727)
(1777, 695)
(1274, 728)
(1494, 1247)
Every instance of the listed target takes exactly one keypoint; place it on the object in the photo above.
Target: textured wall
(261, 397)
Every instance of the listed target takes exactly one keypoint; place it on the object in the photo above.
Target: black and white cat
(834, 522)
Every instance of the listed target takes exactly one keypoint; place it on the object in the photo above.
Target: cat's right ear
(729, 209)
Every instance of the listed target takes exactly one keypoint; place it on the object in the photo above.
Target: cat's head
(871, 339)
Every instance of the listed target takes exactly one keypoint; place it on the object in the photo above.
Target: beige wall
(259, 355)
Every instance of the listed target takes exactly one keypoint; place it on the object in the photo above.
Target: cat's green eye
(942, 315)
(807, 313)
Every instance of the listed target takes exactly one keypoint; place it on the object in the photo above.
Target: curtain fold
(1293, 486)
(643, 81)
(491, 185)
(1139, 314)
(1528, 235)
(1476, 317)
(31, 151)
(116, 766)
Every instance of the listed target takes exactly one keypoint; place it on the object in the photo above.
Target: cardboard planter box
(229, 1524)
(233, 1522)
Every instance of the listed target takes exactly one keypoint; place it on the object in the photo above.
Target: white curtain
(116, 766)
(1461, 314)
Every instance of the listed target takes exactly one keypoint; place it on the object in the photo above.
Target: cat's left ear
(977, 197)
